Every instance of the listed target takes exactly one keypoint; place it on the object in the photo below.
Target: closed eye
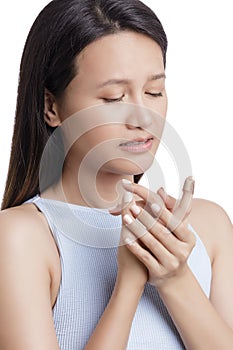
(159, 94)
(111, 100)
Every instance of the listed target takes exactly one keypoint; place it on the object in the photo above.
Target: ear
(51, 115)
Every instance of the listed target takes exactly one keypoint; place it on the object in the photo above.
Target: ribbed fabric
(87, 239)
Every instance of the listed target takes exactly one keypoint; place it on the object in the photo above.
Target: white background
(199, 85)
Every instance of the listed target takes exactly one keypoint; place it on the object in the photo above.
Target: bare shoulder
(21, 226)
(212, 224)
(25, 225)
(24, 232)
(23, 214)
(27, 270)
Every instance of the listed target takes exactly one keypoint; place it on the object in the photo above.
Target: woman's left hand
(164, 242)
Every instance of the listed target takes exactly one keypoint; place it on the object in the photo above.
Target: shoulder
(27, 260)
(23, 214)
(22, 235)
(24, 225)
(209, 214)
(25, 237)
(212, 224)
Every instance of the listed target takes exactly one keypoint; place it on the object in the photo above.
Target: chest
(88, 278)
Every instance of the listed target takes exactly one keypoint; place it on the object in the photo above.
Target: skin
(34, 259)
(83, 92)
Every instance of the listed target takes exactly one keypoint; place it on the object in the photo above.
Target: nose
(138, 117)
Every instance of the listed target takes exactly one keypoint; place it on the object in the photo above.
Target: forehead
(124, 53)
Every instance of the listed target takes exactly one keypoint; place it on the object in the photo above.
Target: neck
(104, 192)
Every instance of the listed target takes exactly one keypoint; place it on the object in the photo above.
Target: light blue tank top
(87, 239)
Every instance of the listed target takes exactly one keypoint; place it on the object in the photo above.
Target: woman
(64, 283)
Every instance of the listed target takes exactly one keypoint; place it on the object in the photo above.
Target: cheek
(71, 104)
(159, 107)
(162, 106)
(165, 105)
(103, 136)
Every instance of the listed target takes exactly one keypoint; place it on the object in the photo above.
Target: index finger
(185, 204)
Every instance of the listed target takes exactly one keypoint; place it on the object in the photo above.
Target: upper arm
(26, 321)
(222, 268)
(216, 230)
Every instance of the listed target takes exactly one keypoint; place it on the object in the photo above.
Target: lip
(138, 139)
(144, 145)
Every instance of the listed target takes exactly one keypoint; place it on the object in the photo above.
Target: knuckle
(162, 273)
(192, 241)
(159, 229)
(184, 254)
(145, 257)
(153, 197)
(151, 225)
(153, 245)
(174, 265)
(174, 223)
(181, 226)
(165, 232)
(148, 195)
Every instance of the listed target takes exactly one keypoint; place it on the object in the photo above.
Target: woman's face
(117, 70)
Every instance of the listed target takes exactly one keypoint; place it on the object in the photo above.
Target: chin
(128, 167)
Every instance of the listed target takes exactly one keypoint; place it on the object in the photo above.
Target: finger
(127, 200)
(148, 221)
(161, 245)
(160, 211)
(156, 248)
(136, 230)
(150, 250)
(173, 223)
(126, 234)
(169, 201)
(143, 255)
(135, 226)
(185, 204)
(160, 232)
(148, 196)
(154, 202)
(182, 208)
(150, 226)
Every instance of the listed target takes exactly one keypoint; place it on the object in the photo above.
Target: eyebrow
(127, 81)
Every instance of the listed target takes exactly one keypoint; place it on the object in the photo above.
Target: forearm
(197, 321)
(113, 329)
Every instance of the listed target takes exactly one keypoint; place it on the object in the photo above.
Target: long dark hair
(60, 32)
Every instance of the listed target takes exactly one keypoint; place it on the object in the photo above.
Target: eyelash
(159, 94)
(109, 100)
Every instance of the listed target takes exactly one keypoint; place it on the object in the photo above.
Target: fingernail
(126, 183)
(189, 184)
(155, 208)
(135, 209)
(129, 242)
(127, 219)
(127, 197)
